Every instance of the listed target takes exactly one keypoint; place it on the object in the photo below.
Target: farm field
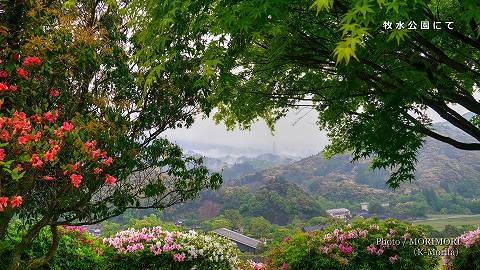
(438, 222)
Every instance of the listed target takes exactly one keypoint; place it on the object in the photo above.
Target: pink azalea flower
(346, 248)
(179, 257)
(393, 259)
(372, 249)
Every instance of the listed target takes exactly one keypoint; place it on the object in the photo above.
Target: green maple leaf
(322, 5)
(344, 53)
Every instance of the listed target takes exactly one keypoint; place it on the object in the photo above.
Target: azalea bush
(155, 248)
(77, 249)
(466, 254)
(353, 246)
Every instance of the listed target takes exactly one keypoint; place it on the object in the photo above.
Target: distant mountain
(280, 188)
(440, 166)
(233, 167)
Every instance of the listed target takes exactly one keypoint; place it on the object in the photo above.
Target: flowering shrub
(251, 265)
(154, 248)
(353, 246)
(31, 146)
(465, 255)
(77, 249)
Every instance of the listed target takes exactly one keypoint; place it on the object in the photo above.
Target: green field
(438, 222)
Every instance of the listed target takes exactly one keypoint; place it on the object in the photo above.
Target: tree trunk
(39, 262)
(26, 241)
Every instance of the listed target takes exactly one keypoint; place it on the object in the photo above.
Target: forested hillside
(447, 178)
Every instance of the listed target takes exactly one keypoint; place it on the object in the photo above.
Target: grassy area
(438, 222)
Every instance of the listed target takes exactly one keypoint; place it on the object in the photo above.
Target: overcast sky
(297, 134)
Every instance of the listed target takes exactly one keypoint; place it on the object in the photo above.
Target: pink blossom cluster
(130, 237)
(157, 248)
(467, 239)
(470, 238)
(372, 249)
(339, 240)
(256, 266)
(81, 229)
(132, 240)
(182, 246)
(178, 257)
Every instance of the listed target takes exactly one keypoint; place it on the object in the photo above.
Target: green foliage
(271, 55)
(321, 5)
(320, 250)
(109, 228)
(147, 221)
(259, 227)
(76, 250)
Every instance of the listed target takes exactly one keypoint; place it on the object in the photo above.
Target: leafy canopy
(371, 86)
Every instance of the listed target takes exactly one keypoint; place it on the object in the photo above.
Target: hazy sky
(297, 134)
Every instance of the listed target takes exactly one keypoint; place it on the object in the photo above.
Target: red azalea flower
(22, 73)
(37, 136)
(19, 167)
(3, 86)
(54, 92)
(97, 170)
(2, 154)
(13, 87)
(31, 61)
(3, 201)
(110, 179)
(3, 74)
(74, 167)
(16, 201)
(49, 155)
(20, 115)
(108, 161)
(76, 179)
(22, 140)
(49, 116)
(36, 161)
(95, 154)
(90, 144)
(67, 126)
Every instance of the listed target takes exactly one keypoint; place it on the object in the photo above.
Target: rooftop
(237, 237)
(337, 210)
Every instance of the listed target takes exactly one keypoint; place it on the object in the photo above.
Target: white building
(364, 206)
(342, 213)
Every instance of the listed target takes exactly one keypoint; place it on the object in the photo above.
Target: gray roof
(237, 237)
(338, 211)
